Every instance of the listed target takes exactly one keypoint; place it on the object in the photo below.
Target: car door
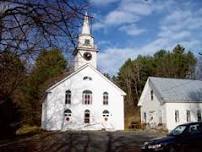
(194, 138)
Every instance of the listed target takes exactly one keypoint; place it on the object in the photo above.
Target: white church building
(86, 99)
(167, 102)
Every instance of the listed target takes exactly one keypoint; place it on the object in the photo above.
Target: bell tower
(85, 52)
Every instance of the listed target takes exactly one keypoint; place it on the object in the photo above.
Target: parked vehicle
(184, 138)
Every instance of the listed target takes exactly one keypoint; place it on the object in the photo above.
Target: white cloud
(104, 43)
(178, 25)
(132, 29)
(112, 58)
(97, 26)
(175, 35)
(119, 17)
(136, 7)
(130, 11)
(182, 20)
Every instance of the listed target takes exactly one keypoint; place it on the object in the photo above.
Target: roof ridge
(174, 78)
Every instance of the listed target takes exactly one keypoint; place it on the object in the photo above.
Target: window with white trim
(188, 114)
(68, 97)
(152, 94)
(199, 115)
(68, 114)
(105, 98)
(105, 114)
(145, 117)
(87, 116)
(87, 97)
(177, 116)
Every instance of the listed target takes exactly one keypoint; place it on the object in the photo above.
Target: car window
(178, 130)
(194, 129)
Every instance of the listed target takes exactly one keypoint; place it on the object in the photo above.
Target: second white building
(170, 102)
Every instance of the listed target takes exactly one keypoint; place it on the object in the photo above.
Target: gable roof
(177, 90)
(82, 68)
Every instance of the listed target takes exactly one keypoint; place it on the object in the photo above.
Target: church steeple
(86, 52)
(86, 26)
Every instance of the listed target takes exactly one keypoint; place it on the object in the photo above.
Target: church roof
(82, 68)
(177, 90)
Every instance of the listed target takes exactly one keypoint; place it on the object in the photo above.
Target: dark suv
(184, 138)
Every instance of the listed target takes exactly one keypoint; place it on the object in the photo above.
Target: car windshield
(178, 130)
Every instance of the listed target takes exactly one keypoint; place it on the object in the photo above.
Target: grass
(28, 129)
(132, 115)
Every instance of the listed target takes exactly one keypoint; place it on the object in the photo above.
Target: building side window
(87, 116)
(177, 116)
(87, 97)
(198, 115)
(145, 117)
(68, 97)
(188, 114)
(152, 94)
(105, 114)
(160, 117)
(105, 98)
(68, 114)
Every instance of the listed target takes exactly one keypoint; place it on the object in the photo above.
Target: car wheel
(172, 149)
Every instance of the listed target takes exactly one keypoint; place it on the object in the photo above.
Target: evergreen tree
(133, 74)
(49, 65)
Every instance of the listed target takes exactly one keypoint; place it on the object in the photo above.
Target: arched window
(105, 98)
(105, 114)
(68, 97)
(68, 114)
(87, 78)
(87, 97)
(87, 116)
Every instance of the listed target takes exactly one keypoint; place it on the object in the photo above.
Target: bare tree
(27, 26)
(12, 72)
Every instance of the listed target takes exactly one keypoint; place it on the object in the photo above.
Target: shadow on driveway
(81, 141)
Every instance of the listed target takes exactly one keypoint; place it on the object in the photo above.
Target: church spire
(86, 26)
(86, 52)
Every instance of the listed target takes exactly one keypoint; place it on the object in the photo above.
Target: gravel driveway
(82, 141)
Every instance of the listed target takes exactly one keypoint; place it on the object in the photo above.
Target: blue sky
(126, 28)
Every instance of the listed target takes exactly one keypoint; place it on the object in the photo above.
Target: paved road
(81, 141)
